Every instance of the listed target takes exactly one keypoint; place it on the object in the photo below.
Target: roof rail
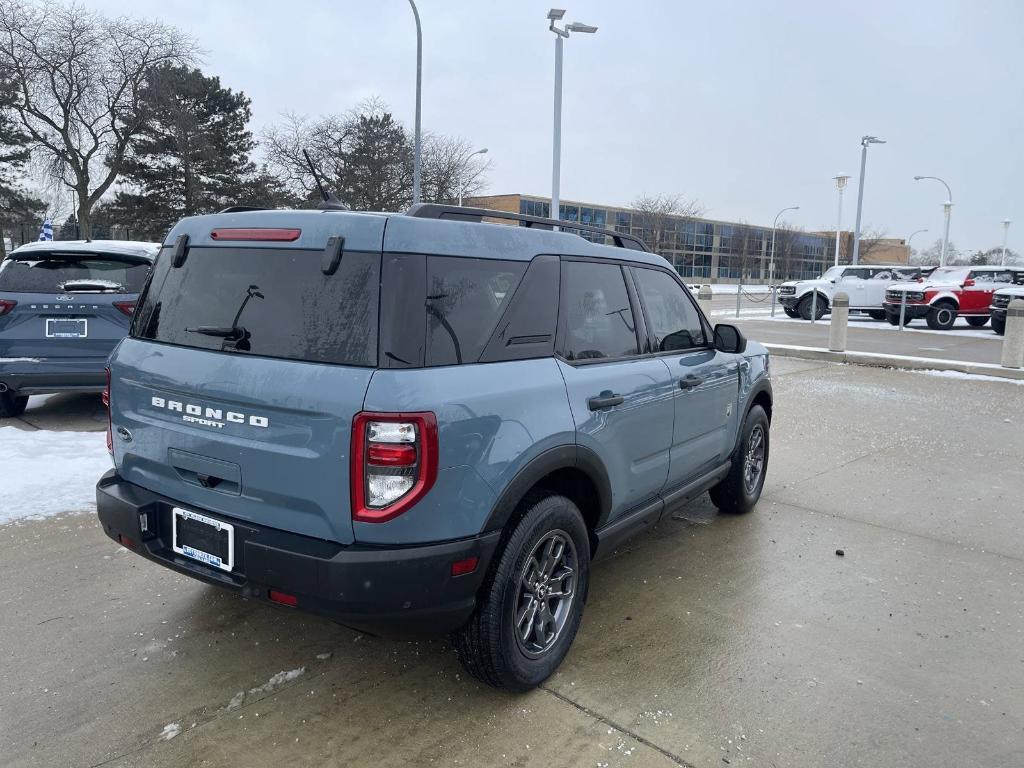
(241, 208)
(460, 213)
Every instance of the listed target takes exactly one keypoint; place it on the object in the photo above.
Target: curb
(895, 361)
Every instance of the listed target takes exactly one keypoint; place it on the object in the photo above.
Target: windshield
(69, 273)
(948, 275)
(832, 273)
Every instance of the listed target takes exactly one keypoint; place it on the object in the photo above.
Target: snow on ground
(961, 329)
(44, 473)
(170, 731)
(969, 376)
(726, 289)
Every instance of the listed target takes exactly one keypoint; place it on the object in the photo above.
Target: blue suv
(64, 306)
(421, 422)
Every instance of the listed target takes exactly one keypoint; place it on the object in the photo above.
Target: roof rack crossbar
(460, 213)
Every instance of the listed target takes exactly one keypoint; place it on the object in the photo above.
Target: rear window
(267, 302)
(465, 300)
(65, 273)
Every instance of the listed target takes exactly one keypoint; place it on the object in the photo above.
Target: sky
(749, 107)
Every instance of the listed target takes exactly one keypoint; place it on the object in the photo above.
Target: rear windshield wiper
(232, 332)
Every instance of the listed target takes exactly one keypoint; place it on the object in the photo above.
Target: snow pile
(279, 679)
(968, 376)
(170, 731)
(46, 473)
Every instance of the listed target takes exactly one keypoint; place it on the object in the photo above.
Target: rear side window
(465, 300)
(68, 273)
(599, 320)
(268, 302)
(674, 320)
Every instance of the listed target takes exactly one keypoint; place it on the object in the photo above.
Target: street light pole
(1006, 231)
(462, 181)
(910, 251)
(864, 141)
(556, 14)
(771, 263)
(417, 158)
(840, 185)
(947, 208)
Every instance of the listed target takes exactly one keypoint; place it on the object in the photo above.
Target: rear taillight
(128, 307)
(6, 305)
(110, 428)
(394, 463)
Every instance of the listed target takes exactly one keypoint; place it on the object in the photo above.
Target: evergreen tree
(191, 156)
(15, 204)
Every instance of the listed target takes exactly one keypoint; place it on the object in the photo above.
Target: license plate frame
(211, 559)
(81, 322)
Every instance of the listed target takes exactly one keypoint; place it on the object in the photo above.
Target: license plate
(203, 538)
(66, 328)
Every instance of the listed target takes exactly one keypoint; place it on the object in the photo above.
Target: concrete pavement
(709, 641)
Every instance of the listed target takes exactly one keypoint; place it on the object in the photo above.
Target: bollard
(1013, 339)
(837, 326)
(704, 299)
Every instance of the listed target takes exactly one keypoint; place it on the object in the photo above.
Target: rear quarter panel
(492, 418)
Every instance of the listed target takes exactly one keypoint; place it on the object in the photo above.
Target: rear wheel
(532, 603)
(12, 405)
(941, 316)
(807, 303)
(741, 488)
(976, 322)
(999, 325)
(791, 312)
(876, 314)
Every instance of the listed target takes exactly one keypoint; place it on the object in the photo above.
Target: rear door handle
(690, 382)
(606, 399)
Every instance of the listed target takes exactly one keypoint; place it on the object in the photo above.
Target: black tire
(942, 316)
(977, 322)
(999, 325)
(878, 314)
(895, 319)
(488, 646)
(735, 493)
(791, 312)
(806, 304)
(12, 405)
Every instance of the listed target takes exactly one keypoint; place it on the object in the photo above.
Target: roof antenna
(330, 202)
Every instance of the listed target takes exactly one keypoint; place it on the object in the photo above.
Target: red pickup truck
(947, 293)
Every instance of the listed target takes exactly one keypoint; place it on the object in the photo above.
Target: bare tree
(870, 240)
(339, 149)
(655, 214)
(79, 77)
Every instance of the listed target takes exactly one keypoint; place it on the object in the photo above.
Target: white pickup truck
(865, 285)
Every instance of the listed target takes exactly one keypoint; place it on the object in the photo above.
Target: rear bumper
(382, 590)
(46, 375)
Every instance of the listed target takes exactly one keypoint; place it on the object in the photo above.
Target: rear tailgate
(255, 425)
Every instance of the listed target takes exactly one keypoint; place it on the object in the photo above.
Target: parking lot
(708, 641)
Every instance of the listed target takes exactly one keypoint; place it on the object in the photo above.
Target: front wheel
(532, 603)
(941, 317)
(739, 491)
(791, 313)
(976, 322)
(999, 325)
(809, 303)
(12, 405)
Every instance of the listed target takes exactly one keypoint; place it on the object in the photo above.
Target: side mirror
(968, 282)
(729, 338)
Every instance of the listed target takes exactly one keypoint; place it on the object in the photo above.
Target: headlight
(915, 296)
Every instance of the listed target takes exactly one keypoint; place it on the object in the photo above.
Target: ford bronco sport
(421, 422)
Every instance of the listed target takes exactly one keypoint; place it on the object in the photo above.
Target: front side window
(674, 320)
(598, 318)
(993, 276)
(465, 301)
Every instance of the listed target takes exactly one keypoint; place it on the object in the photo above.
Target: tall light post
(840, 185)
(556, 14)
(417, 158)
(864, 142)
(910, 251)
(1006, 231)
(771, 264)
(462, 182)
(947, 208)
